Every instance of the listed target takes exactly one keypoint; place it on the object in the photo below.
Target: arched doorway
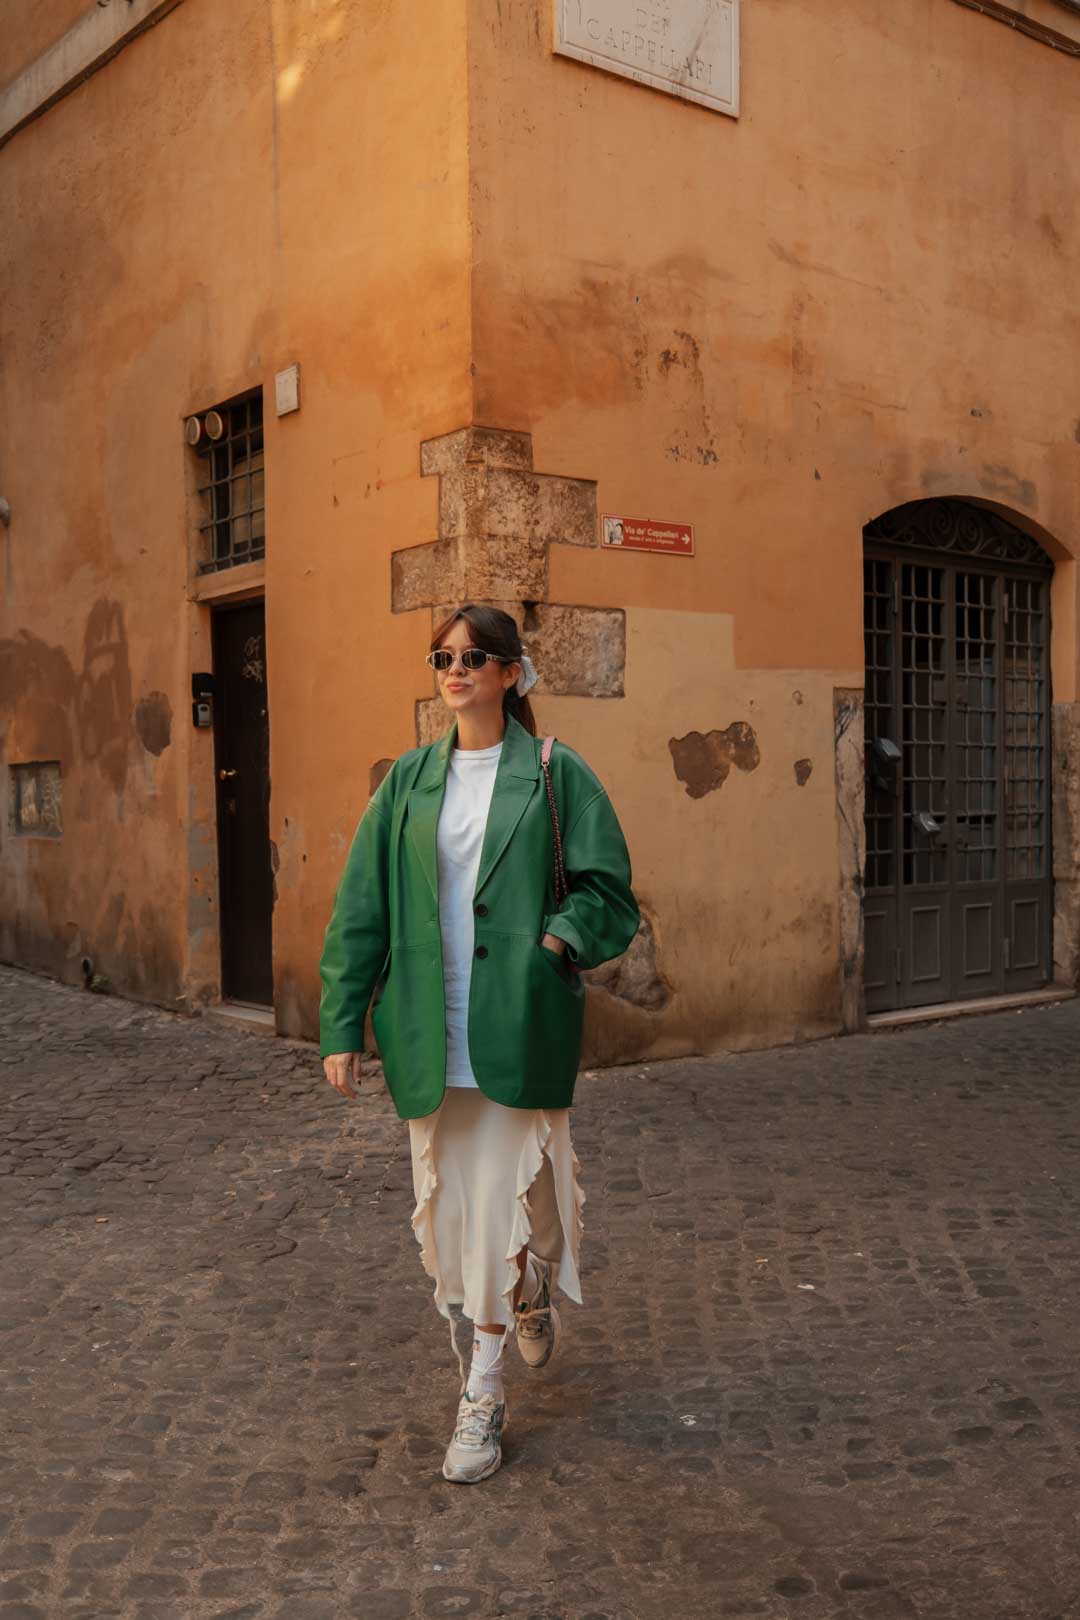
(958, 887)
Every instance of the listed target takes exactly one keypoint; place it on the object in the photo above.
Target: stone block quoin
(498, 517)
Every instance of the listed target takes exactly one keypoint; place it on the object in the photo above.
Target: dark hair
(495, 632)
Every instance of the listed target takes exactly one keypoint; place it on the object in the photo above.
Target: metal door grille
(880, 698)
(976, 728)
(923, 713)
(957, 896)
(1025, 748)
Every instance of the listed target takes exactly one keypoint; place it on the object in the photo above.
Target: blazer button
(481, 910)
(481, 950)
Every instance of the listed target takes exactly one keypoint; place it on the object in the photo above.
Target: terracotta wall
(854, 295)
(242, 187)
(776, 328)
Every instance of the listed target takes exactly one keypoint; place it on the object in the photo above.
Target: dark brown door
(242, 752)
(958, 886)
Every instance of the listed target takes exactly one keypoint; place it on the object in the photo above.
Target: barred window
(229, 442)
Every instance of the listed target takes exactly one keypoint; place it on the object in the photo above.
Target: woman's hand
(341, 1068)
(552, 942)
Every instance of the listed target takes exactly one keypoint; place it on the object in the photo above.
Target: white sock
(485, 1374)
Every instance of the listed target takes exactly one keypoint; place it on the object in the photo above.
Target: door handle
(224, 775)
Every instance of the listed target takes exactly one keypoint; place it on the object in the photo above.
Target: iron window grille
(232, 495)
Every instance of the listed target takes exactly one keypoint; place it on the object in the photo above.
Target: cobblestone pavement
(828, 1364)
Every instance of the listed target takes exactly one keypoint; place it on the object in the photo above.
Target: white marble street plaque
(688, 48)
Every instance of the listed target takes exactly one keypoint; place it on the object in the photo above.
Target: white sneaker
(475, 1450)
(536, 1321)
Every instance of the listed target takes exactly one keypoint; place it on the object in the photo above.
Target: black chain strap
(561, 885)
(562, 888)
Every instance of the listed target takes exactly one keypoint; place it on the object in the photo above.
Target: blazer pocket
(556, 961)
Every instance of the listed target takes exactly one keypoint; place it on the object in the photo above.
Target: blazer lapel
(515, 783)
(425, 802)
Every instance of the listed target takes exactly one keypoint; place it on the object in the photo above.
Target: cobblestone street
(827, 1364)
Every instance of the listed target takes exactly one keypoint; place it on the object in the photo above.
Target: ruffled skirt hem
(497, 1159)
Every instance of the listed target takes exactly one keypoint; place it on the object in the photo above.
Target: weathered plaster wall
(739, 882)
(242, 187)
(782, 325)
(775, 328)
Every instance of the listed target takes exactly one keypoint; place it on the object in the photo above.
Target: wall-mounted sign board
(687, 48)
(646, 534)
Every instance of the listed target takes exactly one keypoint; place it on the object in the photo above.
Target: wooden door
(242, 754)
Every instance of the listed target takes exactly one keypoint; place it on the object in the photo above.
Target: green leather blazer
(526, 1005)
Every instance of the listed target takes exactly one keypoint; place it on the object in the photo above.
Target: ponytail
(520, 709)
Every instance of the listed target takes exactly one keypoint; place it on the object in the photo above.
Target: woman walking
(488, 870)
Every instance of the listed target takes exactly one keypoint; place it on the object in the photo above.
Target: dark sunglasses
(442, 658)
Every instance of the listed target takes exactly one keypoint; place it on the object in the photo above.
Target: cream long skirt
(490, 1180)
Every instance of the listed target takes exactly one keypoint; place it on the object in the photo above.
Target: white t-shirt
(470, 782)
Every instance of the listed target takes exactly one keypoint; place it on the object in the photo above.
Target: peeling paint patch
(693, 439)
(153, 722)
(39, 684)
(103, 700)
(53, 704)
(1050, 231)
(689, 355)
(636, 976)
(803, 768)
(704, 760)
(378, 772)
(703, 454)
(997, 480)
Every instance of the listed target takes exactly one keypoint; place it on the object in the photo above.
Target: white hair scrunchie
(527, 679)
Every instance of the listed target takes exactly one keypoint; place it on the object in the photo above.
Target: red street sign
(646, 534)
